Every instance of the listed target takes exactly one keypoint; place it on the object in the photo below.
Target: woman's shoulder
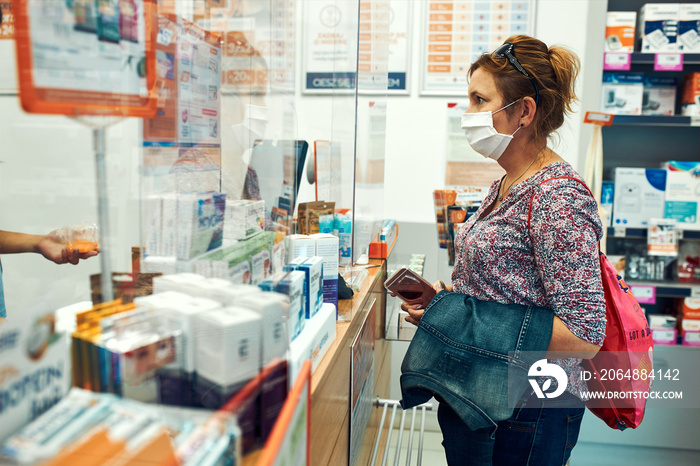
(559, 177)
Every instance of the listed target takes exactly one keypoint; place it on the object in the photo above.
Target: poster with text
(330, 46)
(400, 27)
(457, 32)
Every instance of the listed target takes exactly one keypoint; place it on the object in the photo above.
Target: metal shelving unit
(385, 404)
(638, 58)
(656, 120)
(669, 289)
(622, 232)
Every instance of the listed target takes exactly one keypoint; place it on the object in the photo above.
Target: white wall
(415, 161)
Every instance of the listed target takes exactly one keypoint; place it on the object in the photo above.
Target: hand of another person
(54, 248)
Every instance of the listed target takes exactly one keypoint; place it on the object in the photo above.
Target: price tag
(617, 61)
(620, 232)
(644, 294)
(668, 62)
(695, 292)
(694, 120)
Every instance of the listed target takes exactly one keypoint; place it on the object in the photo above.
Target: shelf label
(620, 232)
(668, 62)
(617, 61)
(598, 118)
(695, 292)
(694, 120)
(645, 294)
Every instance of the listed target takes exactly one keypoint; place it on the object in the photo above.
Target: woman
(518, 96)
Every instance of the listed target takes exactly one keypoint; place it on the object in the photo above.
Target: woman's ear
(528, 111)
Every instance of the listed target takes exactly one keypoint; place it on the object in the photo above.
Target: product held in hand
(82, 237)
(410, 287)
(83, 246)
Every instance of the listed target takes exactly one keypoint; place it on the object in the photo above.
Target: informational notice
(457, 32)
(361, 381)
(330, 46)
(182, 143)
(373, 46)
(76, 58)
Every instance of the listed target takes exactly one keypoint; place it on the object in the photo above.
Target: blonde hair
(554, 69)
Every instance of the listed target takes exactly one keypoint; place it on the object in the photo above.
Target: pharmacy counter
(331, 390)
(331, 382)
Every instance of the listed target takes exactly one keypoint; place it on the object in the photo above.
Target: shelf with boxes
(652, 50)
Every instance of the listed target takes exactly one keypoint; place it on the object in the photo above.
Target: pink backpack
(622, 364)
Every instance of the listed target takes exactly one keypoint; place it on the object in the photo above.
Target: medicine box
(228, 345)
(622, 93)
(639, 196)
(659, 96)
(657, 28)
(243, 219)
(690, 331)
(299, 246)
(292, 285)
(689, 27)
(607, 196)
(314, 341)
(199, 224)
(690, 308)
(664, 329)
(270, 306)
(313, 268)
(683, 193)
(690, 101)
(174, 282)
(620, 31)
(327, 248)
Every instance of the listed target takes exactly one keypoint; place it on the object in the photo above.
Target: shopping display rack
(395, 405)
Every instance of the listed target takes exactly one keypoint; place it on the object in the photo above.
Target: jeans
(539, 433)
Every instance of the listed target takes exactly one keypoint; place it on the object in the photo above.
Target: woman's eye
(479, 100)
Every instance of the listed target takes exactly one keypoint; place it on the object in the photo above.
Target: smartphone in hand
(410, 287)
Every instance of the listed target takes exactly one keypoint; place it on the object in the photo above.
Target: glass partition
(227, 131)
(372, 85)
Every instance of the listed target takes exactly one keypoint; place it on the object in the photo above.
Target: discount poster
(457, 32)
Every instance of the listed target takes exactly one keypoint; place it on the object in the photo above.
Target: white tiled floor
(585, 454)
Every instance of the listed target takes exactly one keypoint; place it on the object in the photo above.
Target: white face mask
(482, 136)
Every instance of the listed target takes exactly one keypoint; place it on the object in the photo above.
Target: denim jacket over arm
(462, 351)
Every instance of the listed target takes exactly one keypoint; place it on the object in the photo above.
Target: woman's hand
(415, 313)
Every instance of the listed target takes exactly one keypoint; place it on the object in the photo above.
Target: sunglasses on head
(506, 51)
